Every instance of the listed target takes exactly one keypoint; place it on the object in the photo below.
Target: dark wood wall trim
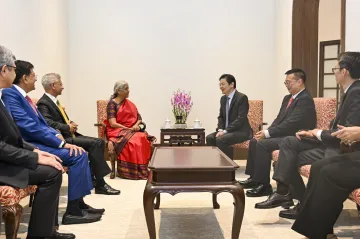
(343, 25)
(305, 20)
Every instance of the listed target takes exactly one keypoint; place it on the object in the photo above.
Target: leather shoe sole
(85, 218)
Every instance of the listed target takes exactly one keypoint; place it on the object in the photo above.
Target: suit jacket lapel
(53, 104)
(10, 119)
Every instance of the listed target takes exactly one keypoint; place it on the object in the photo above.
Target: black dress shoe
(290, 213)
(58, 235)
(260, 190)
(107, 190)
(276, 200)
(84, 218)
(248, 183)
(92, 210)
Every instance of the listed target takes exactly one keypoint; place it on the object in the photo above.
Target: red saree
(133, 148)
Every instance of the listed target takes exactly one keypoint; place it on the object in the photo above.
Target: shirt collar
(294, 96)
(232, 94)
(22, 92)
(53, 98)
(348, 87)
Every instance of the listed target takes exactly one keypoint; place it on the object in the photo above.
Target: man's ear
(24, 78)
(3, 68)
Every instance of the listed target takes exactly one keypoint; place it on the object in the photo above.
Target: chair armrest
(104, 130)
(261, 125)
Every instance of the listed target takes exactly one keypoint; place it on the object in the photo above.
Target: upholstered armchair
(11, 210)
(255, 117)
(110, 150)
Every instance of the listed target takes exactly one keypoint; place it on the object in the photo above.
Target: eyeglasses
(335, 68)
(289, 82)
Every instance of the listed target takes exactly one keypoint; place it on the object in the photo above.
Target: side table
(179, 137)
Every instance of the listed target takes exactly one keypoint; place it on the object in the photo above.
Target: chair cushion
(243, 145)
(10, 196)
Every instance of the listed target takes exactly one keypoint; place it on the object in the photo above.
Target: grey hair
(49, 79)
(6, 57)
(118, 86)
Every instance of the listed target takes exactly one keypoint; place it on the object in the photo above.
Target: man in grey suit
(233, 125)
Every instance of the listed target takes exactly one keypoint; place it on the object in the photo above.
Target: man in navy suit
(36, 131)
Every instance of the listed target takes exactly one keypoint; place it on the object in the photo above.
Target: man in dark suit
(233, 125)
(21, 164)
(330, 183)
(297, 112)
(36, 131)
(55, 115)
(314, 145)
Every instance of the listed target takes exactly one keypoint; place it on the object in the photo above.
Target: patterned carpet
(185, 216)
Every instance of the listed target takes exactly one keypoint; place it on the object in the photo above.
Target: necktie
(63, 115)
(290, 101)
(227, 108)
(31, 104)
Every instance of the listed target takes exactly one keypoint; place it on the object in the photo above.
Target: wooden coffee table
(188, 136)
(192, 169)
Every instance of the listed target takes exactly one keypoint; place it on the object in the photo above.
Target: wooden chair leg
(112, 161)
(12, 215)
(31, 199)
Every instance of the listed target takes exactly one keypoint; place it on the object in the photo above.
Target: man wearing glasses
(313, 145)
(297, 112)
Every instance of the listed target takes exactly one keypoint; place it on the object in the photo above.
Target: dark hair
(298, 73)
(22, 68)
(350, 61)
(229, 79)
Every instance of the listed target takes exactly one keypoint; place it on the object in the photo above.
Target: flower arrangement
(182, 104)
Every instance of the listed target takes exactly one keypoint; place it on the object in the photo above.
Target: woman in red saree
(124, 127)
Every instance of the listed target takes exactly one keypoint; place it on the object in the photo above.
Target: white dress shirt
(53, 98)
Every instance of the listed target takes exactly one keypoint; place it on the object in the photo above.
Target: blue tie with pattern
(227, 112)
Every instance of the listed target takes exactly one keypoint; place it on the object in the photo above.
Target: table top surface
(190, 159)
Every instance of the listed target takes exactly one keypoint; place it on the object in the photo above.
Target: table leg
(215, 203)
(157, 204)
(148, 201)
(239, 200)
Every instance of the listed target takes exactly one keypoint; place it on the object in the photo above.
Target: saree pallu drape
(133, 148)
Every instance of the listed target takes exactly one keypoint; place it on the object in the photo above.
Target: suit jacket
(53, 116)
(238, 111)
(301, 114)
(347, 115)
(33, 127)
(16, 157)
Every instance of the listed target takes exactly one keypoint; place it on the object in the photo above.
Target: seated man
(35, 130)
(297, 112)
(310, 146)
(57, 118)
(330, 183)
(21, 164)
(233, 124)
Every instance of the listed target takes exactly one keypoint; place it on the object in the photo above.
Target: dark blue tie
(227, 112)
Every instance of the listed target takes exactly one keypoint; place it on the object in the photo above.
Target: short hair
(6, 57)
(118, 86)
(229, 79)
(350, 60)
(22, 68)
(298, 73)
(48, 79)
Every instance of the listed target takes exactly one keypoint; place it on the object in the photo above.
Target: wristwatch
(63, 144)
